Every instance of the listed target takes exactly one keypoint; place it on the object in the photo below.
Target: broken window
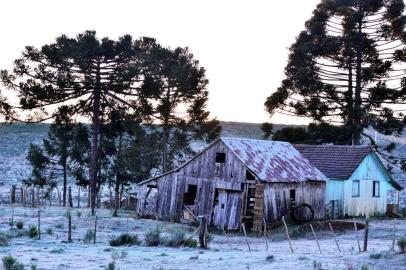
(190, 196)
(249, 175)
(220, 157)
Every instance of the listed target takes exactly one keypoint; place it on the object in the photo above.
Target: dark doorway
(292, 195)
(190, 196)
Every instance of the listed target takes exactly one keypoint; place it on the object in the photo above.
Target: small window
(220, 157)
(355, 188)
(249, 175)
(292, 195)
(375, 189)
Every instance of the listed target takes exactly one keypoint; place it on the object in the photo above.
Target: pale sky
(243, 45)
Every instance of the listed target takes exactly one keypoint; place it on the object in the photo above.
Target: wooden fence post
(366, 233)
(246, 238)
(228, 238)
(78, 197)
(315, 237)
(287, 233)
(202, 232)
(95, 230)
(334, 235)
(59, 198)
(265, 234)
(38, 197)
(39, 224)
(33, 197)
(12, 218)
(69, 226)
(356, 235)
(22, 196)
(70, 197)
(13, 194)
(394, 235)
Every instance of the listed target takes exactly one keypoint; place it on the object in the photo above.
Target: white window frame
(376, 193)
(358, 192)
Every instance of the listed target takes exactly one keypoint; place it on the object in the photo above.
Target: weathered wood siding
(277, 199)
(205, 166)
(228, 180)
(368, 171)
(203, 171)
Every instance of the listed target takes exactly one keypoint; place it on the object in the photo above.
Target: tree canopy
(347, 67)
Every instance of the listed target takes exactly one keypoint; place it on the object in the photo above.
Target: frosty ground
(52, 252)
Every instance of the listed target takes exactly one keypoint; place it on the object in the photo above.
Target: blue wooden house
(359, 184)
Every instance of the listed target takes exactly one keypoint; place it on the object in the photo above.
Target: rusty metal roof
(273, 161)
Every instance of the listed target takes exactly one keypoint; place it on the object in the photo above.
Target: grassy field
(53, 251)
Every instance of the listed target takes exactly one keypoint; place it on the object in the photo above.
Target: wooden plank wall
(229, 180)
(277, 199)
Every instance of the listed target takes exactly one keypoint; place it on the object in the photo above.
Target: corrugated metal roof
(274, 161)
(335, 161)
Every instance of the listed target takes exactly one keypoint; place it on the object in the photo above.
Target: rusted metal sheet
(274, 161)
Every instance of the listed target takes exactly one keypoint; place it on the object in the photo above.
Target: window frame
(374, 190)
(358, 194)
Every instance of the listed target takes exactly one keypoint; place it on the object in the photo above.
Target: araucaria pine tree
(63, 155)
(348, 67)
(82, 72)
(179, 89)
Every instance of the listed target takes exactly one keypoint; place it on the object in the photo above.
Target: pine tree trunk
(116, 198)
(118, 180)
(350, 95)
(95, 142)
(358, 84)
(64, 183)
(165, 141)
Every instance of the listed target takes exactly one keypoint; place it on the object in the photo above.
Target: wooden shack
(234, 181)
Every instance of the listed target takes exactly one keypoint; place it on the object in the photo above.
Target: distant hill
(15, 140)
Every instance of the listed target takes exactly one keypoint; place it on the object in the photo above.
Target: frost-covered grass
(54, 252)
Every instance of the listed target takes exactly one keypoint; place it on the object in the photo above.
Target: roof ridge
(250, 139)
(334, 145)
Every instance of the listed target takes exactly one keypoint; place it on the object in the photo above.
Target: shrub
(270, 258)
(111, 266)
(176, 239)
(20, 225)
(189, 242)
(3, 240)
(209, 237)
(125, 239)
(50, 231)
(10, 263)
(89, 236)
(402, 244)
(364, 267)
(375, 256)
(153, 237)
(32, 232)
